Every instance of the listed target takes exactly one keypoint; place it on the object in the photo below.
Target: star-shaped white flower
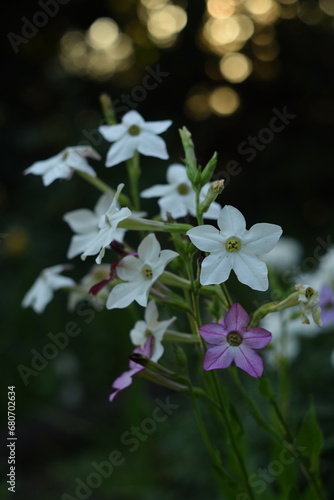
(107, 228)
(235, 247)
(178, 197)
(41, 293)
(64, 163)
(151, 327)
(140, 273)
(134, 134)
(85, 223)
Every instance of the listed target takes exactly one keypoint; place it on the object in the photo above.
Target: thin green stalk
(103, 187)
(133, 167)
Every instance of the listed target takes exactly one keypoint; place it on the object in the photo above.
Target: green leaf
(310, 437)
(209, 169)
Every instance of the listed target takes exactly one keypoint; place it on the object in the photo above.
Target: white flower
(64, 163)
(285, 343)
(85, 223)
(286, 254)
(308, 299)
(151, 326)
(178, 197)
(235, 247)
(134, 134)
(140, 273)
(41, 293)
(107, 228)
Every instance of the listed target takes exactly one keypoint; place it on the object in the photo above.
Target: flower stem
(103, 187)
(133, 167)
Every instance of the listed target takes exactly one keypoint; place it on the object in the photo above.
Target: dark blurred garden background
(224, 68)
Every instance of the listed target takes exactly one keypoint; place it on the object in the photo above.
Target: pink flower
(125, 380)
(231, 341)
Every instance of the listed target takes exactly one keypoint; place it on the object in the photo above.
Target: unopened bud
(216, 187)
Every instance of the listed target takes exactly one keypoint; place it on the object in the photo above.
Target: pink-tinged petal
(87, 152)
(236, 318)
(133, 118)
(251, 271)
(216, 268)
(152, 145)
(213, 333)
(231, 222)
(256, 338)
(113, 132)
(149, 249)
(81, 221)
(122, 150)
(177, 174)
(218, 357)
(129, 268)
(157, 127)
(157, 191)
(206, 238)
(249, 361)
(261, 238)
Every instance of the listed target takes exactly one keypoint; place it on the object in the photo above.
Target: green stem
(103, 187)
(133, 167)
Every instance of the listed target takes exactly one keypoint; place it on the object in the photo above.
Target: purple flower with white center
(231, 341)
(326, 303)
(125, 380)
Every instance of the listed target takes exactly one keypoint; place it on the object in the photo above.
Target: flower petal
(123, 294)
(157, 127)
(149, 249)
(216, 268)
(218, 356)
(78, 244)
(138, 333)
(231, 222)
(60, 171)
(177, 174)
(256, 338)
(249, 361)
(122, 150)
(165, 257)
(261, 238)
(157, 191)
(206, 238)
(251, 271)
(129, 268)
(113, 132)
(151, 314)
(236, 318)
(82, 221)
(103, 203)
(213, 333)
(152, 145)
(133, 118)
(174, 205)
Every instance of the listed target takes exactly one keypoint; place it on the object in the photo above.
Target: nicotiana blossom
(107, 228)
(178, 197)
(140, 273)
(235, 247)
(134, 134)
(41, 293)
(64, 164)
(85, 223)
(308, 299)
(151, 327)
(125, 380)
(230, 341)
(81, 290)
(326, 303)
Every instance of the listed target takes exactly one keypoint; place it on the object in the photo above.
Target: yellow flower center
(183, 189)
(309, 292)
(134, 130)
(233, 244)
(147, 272)
(234, 338)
